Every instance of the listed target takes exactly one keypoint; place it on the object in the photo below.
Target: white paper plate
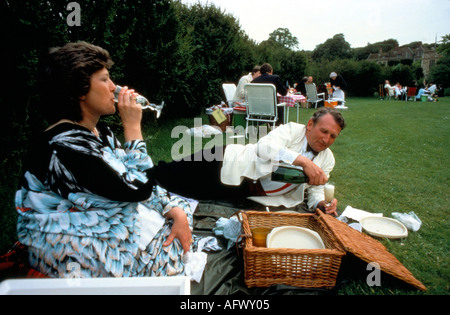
(294, 237)
(384, 227)
(286, 211)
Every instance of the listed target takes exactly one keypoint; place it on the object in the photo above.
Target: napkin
(357, 214)
(195, 261)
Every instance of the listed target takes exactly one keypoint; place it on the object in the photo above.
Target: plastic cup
(259, 236)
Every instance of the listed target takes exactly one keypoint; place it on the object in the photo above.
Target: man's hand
(315, 174)
(331, 209)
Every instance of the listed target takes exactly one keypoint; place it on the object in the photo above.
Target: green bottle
(289, 174)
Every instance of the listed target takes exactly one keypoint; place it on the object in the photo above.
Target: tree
(333, 48)
(362, 53)
(283, 37)
(278, 51)
(368, 76)
(215, 50)
(440, 73)
(444, 47)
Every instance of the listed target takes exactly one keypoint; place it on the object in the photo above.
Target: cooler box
(424, 98)
(239, 114)
(227, 112)
(329, 103)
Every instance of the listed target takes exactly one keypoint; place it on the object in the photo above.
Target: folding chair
(312, 96)
(389, 93)
(229, 89)
(262, 104)
(381, 91)
(411, 92)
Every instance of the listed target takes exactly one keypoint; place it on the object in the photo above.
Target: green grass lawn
(392, 157)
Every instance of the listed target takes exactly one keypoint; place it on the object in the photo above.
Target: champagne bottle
(289, 174)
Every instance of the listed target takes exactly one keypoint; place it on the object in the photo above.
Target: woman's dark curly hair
(66, 76)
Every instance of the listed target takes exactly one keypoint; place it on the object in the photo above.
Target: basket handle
(242, 236)
(240, 239)
(238, 215)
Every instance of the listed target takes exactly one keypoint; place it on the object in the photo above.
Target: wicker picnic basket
(228, 113)
(223, 125)
(309, 268)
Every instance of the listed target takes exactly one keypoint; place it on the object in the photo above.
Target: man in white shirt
(295, 144)
(246, 170)
(239, 94)
(432, 88)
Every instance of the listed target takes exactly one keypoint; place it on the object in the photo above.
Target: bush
(440, 73)
(213, 50)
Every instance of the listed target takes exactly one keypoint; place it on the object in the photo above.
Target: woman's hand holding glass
(130, 113)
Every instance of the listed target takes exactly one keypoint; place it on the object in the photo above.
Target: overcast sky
(361, 21)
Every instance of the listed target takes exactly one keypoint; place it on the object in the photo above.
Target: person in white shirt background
(239, 94)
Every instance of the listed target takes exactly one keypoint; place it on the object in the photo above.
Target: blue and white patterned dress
(87, 208)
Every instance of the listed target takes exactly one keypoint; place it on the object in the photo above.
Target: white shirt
(432, 88)
(239, 94)
(254, 161)
(273, 188)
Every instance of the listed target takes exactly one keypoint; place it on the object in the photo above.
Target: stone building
(428, 57)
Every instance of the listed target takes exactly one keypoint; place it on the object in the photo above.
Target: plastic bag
(229, 228)
(205, 131)
(410, 220)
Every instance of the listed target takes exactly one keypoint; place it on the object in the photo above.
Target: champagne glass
(329, 193)
(143, 101)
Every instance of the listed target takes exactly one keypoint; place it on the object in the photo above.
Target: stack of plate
(294, 237)
(383, 227)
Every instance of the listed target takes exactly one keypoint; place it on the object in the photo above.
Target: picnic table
(291, 100)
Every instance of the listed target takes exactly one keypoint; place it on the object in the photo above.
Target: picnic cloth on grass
(14, 264)
(224, 272)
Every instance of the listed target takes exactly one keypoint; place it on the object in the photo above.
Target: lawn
(392, 157)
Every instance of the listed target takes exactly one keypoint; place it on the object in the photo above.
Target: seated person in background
(301, 86)
(399, 91)
(440, 91)
(389, 88)
(267, 76)
(423, 90)
(322, 88)
(239, 94)
(432, 88)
